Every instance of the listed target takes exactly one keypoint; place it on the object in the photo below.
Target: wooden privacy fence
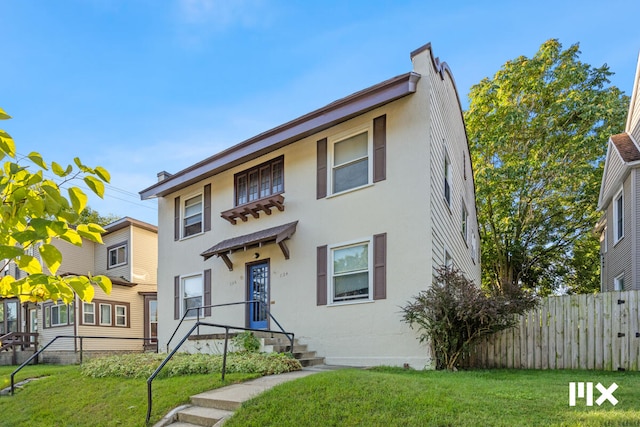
(595, 331)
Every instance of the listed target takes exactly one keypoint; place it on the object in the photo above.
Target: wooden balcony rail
(254, 208)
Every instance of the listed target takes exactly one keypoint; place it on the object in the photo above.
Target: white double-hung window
(618, 217)
(192, 222)
(350, 166)
(192, 294)
(350, 278)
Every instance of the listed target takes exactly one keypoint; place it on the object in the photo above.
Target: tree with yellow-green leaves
(34, 211)
(538, 133)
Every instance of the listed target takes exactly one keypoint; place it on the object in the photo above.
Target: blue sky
(141, 86)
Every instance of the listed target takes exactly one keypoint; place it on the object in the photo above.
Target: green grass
(65, 397)
(396, 397)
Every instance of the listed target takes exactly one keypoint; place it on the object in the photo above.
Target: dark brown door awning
(276, 235)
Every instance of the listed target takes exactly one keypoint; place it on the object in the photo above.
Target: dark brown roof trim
(626, 147)
(316, 121)
(126, 222)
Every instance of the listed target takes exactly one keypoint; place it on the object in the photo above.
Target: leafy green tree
(90, 215)
(538, 132)
(33, 212)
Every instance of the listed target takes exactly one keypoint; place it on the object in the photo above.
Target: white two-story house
(335, 220)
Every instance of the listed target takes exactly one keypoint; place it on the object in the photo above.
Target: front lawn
(396, 397)
(113, 391)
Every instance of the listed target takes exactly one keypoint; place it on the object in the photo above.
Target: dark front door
(258, 292)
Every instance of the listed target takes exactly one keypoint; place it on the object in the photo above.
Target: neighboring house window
(192, 222)
(192, 294)
(618, 283)
(465, 220)
(121, 315)
(58, 315)
(89, 313)
(618, 217)
(350, 167)
(260, 182)
(350, 278)
(105, 314)
(117, 255)
(447, 179)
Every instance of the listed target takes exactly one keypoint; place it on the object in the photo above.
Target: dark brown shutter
(380, 148)
(380, 266)
(176, 297)
(176, 219)
(207, 291)
(321, 177)
(207, 207)
(321, 280)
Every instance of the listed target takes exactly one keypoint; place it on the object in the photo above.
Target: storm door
(258, 294)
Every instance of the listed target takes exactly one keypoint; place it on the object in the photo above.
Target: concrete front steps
(301, 352)
(213, 407)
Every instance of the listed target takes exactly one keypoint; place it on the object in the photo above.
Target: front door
(258, 294)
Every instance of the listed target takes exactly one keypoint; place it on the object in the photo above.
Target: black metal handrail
(184, 316)
(81, 337)
(155, 373)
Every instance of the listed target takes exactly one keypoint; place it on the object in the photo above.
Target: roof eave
(316, 121)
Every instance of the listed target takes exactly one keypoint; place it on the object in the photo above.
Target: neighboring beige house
(129, 258)
(335, 219)
(620, 203)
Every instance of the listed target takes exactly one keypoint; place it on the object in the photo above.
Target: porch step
(300, 351)
(201, 416)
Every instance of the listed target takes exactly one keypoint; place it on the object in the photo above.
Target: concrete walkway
(213, 407)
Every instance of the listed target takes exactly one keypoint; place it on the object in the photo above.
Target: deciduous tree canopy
(538, 132)
(33, 212)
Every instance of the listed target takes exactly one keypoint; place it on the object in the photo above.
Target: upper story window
(618, 217)
(117, 255)
(350, 168)
(192, 222)
(465, 222)
(447, 179)
(259, 182)
(352, 160)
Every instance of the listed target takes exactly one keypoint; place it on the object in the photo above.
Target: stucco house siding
(394, 213)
